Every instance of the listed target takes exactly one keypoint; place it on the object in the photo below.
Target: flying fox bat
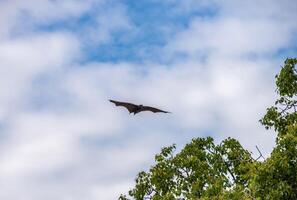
(132, 108)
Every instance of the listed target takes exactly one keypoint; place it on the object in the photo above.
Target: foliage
(201, 169)
(204, 170)
(277, 176)
(283, 113)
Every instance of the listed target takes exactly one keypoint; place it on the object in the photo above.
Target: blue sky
(152, 24)
(211, 63)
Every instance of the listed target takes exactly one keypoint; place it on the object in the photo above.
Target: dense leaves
(201, 169)
(284, 114)
(277, 176)
(205, 170)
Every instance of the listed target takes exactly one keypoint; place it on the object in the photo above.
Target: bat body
(132, 108)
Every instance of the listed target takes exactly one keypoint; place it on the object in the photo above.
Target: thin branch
(186, 172)
(229, 170)
(285, 109)
(260, 154)
(231, 173)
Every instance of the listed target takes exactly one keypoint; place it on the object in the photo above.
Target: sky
(211, 63)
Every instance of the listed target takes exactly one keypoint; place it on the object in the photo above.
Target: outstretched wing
(152, 109)
(130, 107)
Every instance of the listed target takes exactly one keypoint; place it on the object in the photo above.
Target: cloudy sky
(211, 63)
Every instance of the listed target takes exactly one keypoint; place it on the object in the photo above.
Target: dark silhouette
(132, 108)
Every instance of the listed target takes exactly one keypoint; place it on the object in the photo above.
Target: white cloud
(16, 15)
(233, 37)
(77, 145)
(261, 9)
(23, 59)
(47, 150)
(107, 22)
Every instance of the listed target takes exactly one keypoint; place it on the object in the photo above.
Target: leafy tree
(204, 170)
(283, 114)
(201, 170)
(277, 176)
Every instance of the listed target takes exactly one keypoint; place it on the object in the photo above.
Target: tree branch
(260, 154)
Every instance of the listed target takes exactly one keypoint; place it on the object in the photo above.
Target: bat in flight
(132, 108)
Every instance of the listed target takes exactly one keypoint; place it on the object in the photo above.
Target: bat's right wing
(130, 107)
(152, 109)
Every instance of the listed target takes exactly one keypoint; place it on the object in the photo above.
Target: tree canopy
(205, 170)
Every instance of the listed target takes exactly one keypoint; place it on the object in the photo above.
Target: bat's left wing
(152, 109)
(130, 106)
